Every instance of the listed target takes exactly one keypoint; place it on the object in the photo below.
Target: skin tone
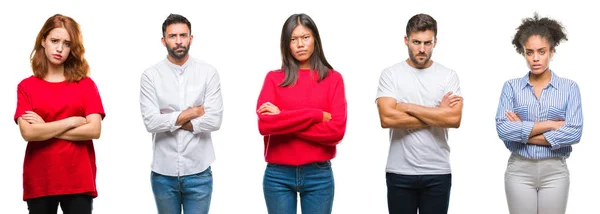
(399, 115)
(538, 55)
(57, 47)
(302, 46)
(178, 40)
(420, 48)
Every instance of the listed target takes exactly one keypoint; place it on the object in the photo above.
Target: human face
(420, 47)
(177, 40)
(302, 45)
(538, 54)
(57, 46)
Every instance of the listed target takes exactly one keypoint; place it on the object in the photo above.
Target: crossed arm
(412, 116)
(34, 128)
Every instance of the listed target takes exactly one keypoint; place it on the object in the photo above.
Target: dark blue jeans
(430, 194)
(314, 182)
(193, 192)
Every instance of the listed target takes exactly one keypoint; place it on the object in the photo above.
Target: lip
(536, 66)
(300, 52)
(57, 56)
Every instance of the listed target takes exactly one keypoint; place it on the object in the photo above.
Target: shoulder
(443, 69)
(155, 68)
(275, 74)
(335, 75)
(398, 67)
(203, 66)
(31, 80)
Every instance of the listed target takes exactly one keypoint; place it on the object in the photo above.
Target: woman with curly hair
(59, 112)
(539, 118)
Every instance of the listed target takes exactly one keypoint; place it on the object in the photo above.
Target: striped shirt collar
(554, 80)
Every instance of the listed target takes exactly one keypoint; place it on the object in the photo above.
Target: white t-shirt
(419, 151)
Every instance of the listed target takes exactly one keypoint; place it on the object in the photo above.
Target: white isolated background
(360, 39)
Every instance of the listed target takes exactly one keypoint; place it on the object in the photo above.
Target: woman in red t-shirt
(302, 116)
(59, 112)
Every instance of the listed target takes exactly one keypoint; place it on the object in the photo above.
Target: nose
(179, 40)
(300, 42)
(422, 48)
(59, 48)
(536, 57)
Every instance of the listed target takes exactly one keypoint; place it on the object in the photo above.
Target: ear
(406, 40)
(42, 42)
(434, 41)
(162, 40)
(191, 38)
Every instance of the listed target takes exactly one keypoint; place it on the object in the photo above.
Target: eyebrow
(60, 39)
(539, 49)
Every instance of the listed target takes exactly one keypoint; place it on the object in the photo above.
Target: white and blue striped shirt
(559, 101)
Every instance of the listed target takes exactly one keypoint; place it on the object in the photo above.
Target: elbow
(455, 123)
(385, 122)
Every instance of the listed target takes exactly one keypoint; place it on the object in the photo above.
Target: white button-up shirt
(166, 89)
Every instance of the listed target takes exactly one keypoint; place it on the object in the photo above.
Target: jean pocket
(323, 165)
(205, 173)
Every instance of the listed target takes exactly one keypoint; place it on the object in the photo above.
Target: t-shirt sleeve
(453, 84)
(386, 85)
(92, 100)
(23, 102)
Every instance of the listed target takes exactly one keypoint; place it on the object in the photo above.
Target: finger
(508, 116)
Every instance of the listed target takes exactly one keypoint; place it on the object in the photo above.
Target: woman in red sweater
(302, 116)
(59, 112)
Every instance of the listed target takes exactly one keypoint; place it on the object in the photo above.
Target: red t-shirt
(298, 135)
(55, 166)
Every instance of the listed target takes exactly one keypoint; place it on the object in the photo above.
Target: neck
(56, 73)
(426, 65)
(543, 78)
(176, 61)
(305, 65)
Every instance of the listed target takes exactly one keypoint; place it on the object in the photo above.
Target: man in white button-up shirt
(181, 104)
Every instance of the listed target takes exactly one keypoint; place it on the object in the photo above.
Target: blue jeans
(193, 192)
(314, 182)
(428, 193)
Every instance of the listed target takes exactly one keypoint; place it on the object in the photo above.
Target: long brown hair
(76, 67)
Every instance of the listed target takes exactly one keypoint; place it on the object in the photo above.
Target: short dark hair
(421, 22)
(175, 19)
(547, 28)
(317, 60)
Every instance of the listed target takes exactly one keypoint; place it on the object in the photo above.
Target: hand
(32, 118)
(326, 116)
(557, 124)
(198, 111)
(268, 109)
(76, 121)
(512, 117)
(188, 126)
(450, 100)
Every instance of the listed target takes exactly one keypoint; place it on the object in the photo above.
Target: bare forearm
(540, 128)
(85, 132)
(444, 117)
(400, 120)
(184, 117)
(538, 140)
(43, 131)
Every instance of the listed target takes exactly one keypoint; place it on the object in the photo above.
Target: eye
(171, 36)
(68, 44)
(306, 37)
(528, 53)
(428, 43)
(54, 40)
(416, 42)
(542, 52)
(293, 39)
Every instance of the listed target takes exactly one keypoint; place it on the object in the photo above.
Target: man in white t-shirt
(418, 100)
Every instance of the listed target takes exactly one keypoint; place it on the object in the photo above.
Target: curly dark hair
(547, 28)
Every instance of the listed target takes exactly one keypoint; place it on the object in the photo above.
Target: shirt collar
(177, 68)
(553, 80)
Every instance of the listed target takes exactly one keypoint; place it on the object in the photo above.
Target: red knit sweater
(298, 135)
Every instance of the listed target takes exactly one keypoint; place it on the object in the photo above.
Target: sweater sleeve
(331, 132)
(287, 121)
